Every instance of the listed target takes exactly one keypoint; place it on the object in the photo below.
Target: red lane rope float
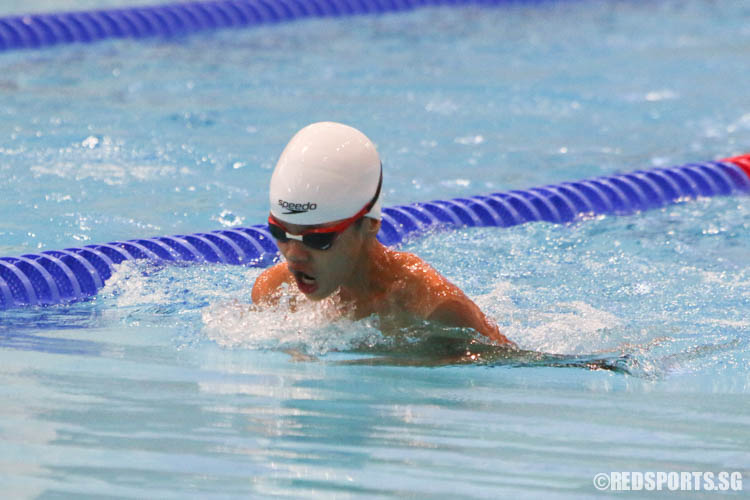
(741, 161)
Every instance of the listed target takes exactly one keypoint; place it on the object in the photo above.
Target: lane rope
(60, 276)
(35, 31)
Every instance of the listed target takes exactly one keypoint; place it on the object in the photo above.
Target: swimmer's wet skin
(325, 216)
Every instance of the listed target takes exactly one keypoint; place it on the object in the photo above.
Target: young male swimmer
(325, 215)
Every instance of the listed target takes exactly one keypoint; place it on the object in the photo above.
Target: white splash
(149, 286)
(131, 288)
(576, 328)
(313, 328)
(571, 328)
(227, 218)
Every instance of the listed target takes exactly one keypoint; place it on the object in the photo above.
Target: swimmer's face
(319, 273)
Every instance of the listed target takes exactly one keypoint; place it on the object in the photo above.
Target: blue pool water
(159, 388)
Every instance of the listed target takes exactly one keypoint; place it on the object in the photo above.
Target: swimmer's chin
(316, 295)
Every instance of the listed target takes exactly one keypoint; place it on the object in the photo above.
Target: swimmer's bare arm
(434, 298)
(462, 312)
(267, 287)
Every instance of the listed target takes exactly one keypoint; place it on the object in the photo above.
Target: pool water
(160, 387)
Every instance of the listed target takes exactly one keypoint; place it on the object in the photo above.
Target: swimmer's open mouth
(305, 282)
(305, 278)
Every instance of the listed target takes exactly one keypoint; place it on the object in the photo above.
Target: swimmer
(325, 215)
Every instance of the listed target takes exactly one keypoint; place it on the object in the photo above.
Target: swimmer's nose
(296, 251)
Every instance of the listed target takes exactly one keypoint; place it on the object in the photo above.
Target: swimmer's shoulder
(268, 285)
(420, 286)
(429, 295)
(417, 271)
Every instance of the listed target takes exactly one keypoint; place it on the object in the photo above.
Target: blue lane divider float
(60, 276)
(41, 30)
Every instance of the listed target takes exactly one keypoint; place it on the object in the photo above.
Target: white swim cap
(327, 172)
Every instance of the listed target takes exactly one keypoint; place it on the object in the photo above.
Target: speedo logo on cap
(297, 208)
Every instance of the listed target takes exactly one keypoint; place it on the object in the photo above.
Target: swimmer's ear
(371, 226)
